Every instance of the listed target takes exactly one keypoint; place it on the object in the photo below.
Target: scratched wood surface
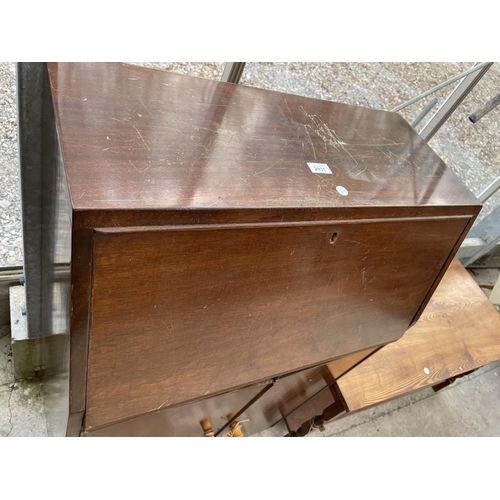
(144, 146)
(144, 149)
(183, 421)
(182, 312)
(268, 404)
(458, 331)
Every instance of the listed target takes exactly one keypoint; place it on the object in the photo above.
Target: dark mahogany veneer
(210, 261)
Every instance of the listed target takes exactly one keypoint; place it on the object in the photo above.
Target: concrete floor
(22, 411)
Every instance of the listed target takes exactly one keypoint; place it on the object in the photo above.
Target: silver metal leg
(495, 295)
(492, 104)
(486, 232)
(424, 112)
(484, 237)
(452, 102)
(45, 205)
(455, 78)
(490, 190)
(232, 72)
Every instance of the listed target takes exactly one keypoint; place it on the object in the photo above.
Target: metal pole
(489, 191)
(31, 96)
(488, 230)
(453, 101)
(475, 117)
(475, 68)
(232, 72)
(424, 113)
(11, 276)
(485, 249)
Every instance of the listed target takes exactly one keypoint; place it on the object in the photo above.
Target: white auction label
(319, 168)
(342, 190)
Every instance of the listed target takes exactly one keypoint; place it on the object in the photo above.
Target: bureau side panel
(183, 312)
(439, 277)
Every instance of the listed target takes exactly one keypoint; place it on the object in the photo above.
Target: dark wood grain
(138, 218)
(183, 421)
(458, 332)
(81, 271)
(268, 404)
(136, 139)
(285, 396)
(306, 415)
(444, 269)
(183, 312)
(75, 424)
(202, 253)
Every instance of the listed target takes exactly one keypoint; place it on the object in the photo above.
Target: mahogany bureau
(227, 242)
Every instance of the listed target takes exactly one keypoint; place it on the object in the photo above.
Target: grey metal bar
(469, 247)
(11, 276)
(453, 101)
(30, 104)
(487, 230)
(424, 112)
(489, 191)
(232, 72)
(485, 249)
(493, 103)
(495, 295)
(442, 85)
(44, 203)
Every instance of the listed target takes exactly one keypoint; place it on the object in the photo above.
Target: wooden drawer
(182, 312)
(284, 397)
(260, 406)
(182, 421)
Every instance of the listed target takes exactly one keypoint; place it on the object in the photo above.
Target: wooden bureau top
(136, 139)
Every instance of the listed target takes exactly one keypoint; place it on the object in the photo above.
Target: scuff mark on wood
(142, 138)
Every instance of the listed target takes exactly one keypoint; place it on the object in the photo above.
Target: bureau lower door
(184, 420)
(183, 312)
(259, 407)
